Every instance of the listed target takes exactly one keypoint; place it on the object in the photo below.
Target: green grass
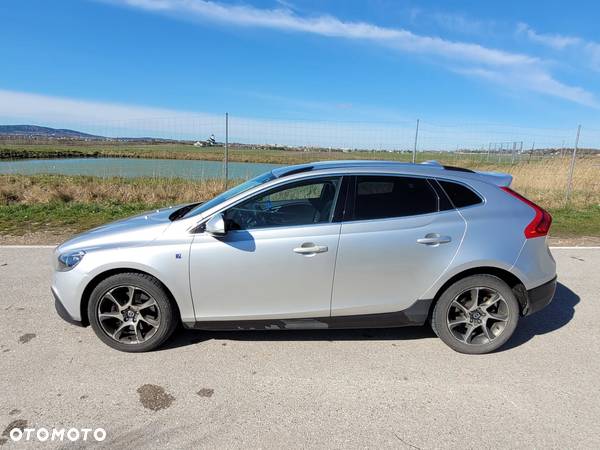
(569, 222)
(20, 219)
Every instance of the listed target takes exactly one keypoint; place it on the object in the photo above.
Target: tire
(131, 312)
(476, 328)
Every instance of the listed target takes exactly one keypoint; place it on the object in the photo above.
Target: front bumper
(539, 297)
(62, 311)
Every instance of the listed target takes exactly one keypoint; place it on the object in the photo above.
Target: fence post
(226, 149)
(572, 167)
(414, 155)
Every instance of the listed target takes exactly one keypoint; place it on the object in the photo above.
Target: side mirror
(216, 225)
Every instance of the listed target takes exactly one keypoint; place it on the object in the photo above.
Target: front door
(276, 260)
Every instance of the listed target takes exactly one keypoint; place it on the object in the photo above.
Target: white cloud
(589, 50)
(534, 80)
(556, 41)
(506, 65)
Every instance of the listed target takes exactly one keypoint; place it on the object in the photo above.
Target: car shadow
(556, 315)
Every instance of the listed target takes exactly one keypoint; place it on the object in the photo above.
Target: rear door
(395, 242)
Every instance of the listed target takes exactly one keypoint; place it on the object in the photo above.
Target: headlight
(67, 261)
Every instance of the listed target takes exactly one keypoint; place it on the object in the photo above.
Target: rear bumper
(539, 297)
(62, 311)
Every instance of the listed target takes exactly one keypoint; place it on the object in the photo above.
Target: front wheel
(131, 312)
(476, 315)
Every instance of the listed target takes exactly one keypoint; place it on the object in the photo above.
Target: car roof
(427, 168)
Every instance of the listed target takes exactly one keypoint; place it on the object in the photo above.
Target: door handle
(308, 248)
(434, 239)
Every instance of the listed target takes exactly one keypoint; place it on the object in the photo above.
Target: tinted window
(459, 194)
(303, 203)
(379, 197)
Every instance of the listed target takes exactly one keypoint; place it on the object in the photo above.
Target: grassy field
(74, 203)
(68, 204)
(237, 153)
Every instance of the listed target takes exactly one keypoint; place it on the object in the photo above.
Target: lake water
(130, 167)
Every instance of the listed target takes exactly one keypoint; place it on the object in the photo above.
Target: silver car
(345, 244)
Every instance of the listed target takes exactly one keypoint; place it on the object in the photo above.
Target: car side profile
(341, 244)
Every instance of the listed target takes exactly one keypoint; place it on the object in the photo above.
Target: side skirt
(415, 315)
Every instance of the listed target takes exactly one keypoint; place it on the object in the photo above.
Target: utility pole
(414, 155)
(226, 149)
(572, 168)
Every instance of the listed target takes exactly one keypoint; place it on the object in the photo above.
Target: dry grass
(44, 189)
(543, 182)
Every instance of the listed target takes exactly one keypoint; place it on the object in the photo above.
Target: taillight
(540, 225)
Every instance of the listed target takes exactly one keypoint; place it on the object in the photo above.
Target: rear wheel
(476, 315)
(131, 312)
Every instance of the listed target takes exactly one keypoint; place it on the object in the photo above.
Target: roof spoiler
(498, 178)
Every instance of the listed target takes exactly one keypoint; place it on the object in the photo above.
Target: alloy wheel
(477, 316)
(128, 314)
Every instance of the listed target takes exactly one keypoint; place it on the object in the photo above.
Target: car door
(394, 243)
(276, 259)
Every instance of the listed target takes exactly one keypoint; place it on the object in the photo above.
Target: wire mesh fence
(194, 147)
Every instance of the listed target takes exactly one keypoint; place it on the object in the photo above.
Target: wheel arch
(509, 278)
(87, 292)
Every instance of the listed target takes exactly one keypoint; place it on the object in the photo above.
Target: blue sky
(532, 64)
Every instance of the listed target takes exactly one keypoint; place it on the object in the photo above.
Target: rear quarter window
(460, 195)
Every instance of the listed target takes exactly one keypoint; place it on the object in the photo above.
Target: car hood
(134, 230)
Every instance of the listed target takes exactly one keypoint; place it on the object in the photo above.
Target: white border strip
(575, 248)
(28, 246)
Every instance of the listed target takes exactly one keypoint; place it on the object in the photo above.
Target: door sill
(414, 315)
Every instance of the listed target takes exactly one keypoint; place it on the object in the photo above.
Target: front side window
(302, 203)
(382, 197)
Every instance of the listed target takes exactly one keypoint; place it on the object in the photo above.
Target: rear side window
(380, 197)
(459, 194)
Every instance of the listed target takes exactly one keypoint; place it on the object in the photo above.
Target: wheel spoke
(152, 322)
(108, 296)
(110, 315)
(474, 299)
(468, 336)
(462, 308)
(487, 332)
(147, 304)
(130, 293)
(454, 323)
(117, 333)
(497, 317)
(491, 301)
(138, 333)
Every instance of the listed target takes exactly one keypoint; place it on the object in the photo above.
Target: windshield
(231, 193)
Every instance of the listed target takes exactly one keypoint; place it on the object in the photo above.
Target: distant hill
(37, 131)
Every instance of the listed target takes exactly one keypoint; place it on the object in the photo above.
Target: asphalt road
(397, 388)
